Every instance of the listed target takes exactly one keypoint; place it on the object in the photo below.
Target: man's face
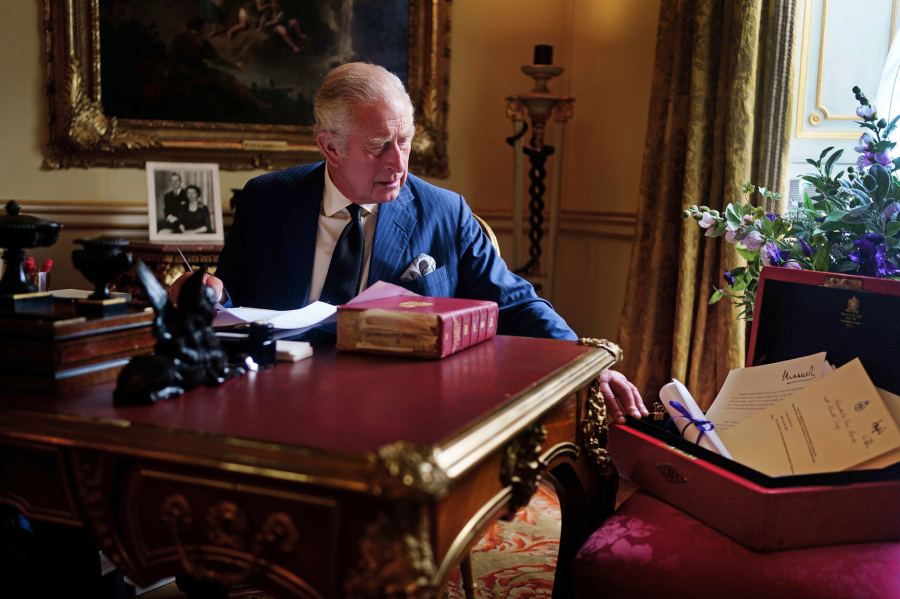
(373, 166)
(174, 182)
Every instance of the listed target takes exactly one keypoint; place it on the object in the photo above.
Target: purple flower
(865, 160)
(793, 264)
(731, 234)
(869, 256)
(866, 112)
(729, 277)
(771, 216)
(754, 240)
(747, 219)
(890, 211)
(874, 237)
(807, 249)
(883, 158)
(771, 255)
(865, 142)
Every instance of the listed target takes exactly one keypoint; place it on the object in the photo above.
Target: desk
(341, 475)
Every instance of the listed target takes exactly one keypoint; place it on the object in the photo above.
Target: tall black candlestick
(543, 54)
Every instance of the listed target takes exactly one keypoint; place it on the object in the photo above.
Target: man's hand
(621, 397)
(208, 280)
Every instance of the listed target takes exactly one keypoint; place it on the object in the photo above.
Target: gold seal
(413, 304)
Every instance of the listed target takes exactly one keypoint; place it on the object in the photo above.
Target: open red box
(798, 313)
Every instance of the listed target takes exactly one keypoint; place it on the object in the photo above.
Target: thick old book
(427, 327)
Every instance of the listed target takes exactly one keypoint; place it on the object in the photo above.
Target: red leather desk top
(340, 402)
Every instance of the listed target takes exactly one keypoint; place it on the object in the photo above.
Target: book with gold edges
(427, 327)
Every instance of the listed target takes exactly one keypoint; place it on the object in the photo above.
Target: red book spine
(467, 338)
(476, 325)
(493, 317)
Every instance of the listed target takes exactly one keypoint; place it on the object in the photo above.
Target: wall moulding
(99, 215)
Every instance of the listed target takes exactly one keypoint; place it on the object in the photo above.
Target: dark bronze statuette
(187, 353)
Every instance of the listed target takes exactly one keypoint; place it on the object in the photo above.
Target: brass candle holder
(537, 106)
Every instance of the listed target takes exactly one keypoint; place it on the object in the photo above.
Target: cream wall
(606, 49)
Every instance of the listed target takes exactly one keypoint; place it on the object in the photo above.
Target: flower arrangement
(849, 224)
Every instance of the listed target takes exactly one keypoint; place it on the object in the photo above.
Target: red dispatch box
(797, 313)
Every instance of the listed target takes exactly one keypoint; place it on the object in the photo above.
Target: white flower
(707, 220)
(865, 140)
(866, 112)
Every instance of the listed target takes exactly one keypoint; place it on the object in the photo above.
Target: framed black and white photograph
(184, 202)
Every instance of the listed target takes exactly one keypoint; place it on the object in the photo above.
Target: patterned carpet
(517, 558)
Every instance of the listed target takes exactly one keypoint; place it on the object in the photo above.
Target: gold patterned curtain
(709, 131)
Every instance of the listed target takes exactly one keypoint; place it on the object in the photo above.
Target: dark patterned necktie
(342, 280)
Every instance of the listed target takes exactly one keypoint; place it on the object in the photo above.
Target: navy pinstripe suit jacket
(267, 260)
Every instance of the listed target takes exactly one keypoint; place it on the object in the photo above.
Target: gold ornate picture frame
(83, 131)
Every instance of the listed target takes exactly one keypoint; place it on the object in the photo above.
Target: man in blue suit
(328, 230)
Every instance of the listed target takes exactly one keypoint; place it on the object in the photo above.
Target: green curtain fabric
(701, 147)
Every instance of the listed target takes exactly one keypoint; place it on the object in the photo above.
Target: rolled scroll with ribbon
(689, 418)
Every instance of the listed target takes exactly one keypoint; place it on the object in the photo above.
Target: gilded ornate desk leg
(520, 466)
(468, 577)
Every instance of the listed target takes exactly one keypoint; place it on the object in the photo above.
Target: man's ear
(328, 147)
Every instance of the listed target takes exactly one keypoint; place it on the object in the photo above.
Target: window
(839, 44)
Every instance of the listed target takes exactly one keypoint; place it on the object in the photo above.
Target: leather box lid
(800, 312)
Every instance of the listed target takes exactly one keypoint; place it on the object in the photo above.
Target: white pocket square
(421, 266)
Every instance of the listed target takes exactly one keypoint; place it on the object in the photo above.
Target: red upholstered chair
(651, 549)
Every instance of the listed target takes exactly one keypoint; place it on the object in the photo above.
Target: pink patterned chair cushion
(651, 549)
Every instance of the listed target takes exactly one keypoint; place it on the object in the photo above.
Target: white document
(748, 391)
(295, 320)
(696, 428)
(892, 457)
(303, 319)
(831, 425)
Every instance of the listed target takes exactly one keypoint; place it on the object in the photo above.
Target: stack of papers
(291, 323)
(797, 417)
(288, 323)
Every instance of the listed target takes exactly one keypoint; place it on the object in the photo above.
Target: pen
(187, 264)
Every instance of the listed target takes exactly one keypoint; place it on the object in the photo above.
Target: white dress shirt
(333, 217)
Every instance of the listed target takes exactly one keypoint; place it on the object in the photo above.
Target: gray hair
(351, 86)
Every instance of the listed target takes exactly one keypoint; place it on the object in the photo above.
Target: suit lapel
(300, 229)
(396, 220)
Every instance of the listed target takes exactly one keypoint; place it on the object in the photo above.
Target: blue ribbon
(701, 424)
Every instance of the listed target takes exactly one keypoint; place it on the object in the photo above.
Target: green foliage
(850, 223)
